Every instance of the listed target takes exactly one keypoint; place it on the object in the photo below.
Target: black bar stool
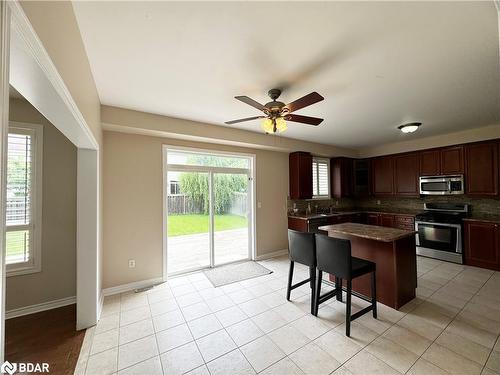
(334, 257)
(301, 249)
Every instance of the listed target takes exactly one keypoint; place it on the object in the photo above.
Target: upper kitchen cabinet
(361, 178)
(452, 160)
(382, 176)
(443, 161)
(341, 177)
(482, 169)
(430, 163)
(406, 168)
(300, 175)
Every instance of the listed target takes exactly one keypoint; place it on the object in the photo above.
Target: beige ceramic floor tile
(314, 361)
(231, 363)
(450, 361)
(338, 346)
(181, 360)
(393, 354)
(407, 339)
(465, 347)
(283, 367)
(262, 353)
(365, 363)
(423, 367)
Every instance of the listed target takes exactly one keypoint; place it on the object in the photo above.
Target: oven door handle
(459, 226)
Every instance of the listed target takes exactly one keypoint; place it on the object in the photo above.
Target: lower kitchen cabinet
(482, 244)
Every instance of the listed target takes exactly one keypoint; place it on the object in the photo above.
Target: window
(23, 211)
(321, 180)
(175, 188)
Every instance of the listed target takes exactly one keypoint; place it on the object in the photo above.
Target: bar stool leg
(290, 277)
(317, 293)
(338, 288)
(374, 295)
(348, 310)
(312, 275)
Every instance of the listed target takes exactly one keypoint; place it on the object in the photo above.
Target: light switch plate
(131, 263)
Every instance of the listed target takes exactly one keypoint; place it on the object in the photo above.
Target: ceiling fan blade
(304, 119)
(305, 101)
(244, 119)
(250, 101)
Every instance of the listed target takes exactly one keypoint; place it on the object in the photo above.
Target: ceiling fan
(277, 113)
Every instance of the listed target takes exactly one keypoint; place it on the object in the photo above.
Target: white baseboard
(274, 254)
(131, 286)
(32, 309)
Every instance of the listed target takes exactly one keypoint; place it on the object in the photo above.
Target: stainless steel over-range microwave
(441, 185)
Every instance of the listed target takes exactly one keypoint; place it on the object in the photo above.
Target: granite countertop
(304, 216)
(490, 218)
(371, 232)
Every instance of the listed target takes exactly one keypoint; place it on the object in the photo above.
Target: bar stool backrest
(334, 256)
(301, 247)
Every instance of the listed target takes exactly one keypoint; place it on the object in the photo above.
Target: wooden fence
(180, 204)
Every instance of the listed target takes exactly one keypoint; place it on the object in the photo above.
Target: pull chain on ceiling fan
(277, 113)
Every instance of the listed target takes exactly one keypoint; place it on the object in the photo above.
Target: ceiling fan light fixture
(281, 124)
(267, 125)
(410, 127)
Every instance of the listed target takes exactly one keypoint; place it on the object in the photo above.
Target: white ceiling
(378, 65)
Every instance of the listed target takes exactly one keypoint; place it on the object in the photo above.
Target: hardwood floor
(48, 336)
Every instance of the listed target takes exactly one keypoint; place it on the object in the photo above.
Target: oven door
(441, 241)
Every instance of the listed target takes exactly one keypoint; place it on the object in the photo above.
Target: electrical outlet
(259, 205)
(131, 263)
(378, 202)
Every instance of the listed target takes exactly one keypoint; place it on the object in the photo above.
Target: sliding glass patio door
(208, 208)
(231, 215)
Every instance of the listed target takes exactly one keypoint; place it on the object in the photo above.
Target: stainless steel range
(439, 231)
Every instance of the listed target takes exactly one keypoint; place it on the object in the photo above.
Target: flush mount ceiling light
(410, 127)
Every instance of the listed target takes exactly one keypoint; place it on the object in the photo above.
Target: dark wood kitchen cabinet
(482, 169)
(300, 175)
(430, 164)
(442, 161)
(452, 160)
(386, 220)
(361, 178)
(381, 219)
(382, 176)
(406, 170)
(341, 177)
(482, 244)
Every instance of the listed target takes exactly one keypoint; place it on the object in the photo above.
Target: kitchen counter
(370, 232)
(304, 216)
(489, 218)
(394, 253)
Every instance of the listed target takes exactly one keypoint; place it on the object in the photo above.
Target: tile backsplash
(487, 206)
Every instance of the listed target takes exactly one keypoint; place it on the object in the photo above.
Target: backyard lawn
(179, 225)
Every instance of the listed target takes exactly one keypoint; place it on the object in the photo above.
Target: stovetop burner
(448, 213)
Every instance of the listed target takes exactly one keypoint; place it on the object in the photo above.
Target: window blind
(320, 177)
(19, 189)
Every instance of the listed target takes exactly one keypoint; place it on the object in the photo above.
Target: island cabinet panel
(406, 169)
(383, 176)
(452, 160)
(430, 163)
(297, 224)
(482, 244)
(300, 175)
(482, 169)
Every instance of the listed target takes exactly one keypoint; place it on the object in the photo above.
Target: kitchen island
(392, 250)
